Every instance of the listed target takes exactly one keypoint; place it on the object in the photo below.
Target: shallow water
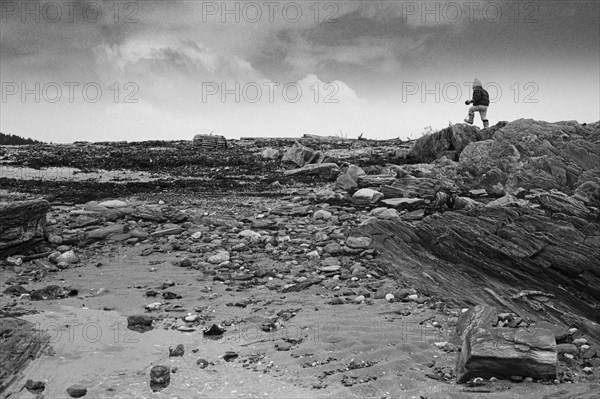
(74, 174)
(95, 349)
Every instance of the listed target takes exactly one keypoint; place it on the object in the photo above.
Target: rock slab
(502, 352)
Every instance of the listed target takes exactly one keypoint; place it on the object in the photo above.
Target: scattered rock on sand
(160, 377)
(140, 323)
(76, 391)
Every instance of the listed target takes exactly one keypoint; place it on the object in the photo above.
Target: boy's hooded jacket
(480, 96)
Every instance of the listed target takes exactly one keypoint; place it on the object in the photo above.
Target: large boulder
(22, 225)
(349, 177)
(488, 351)
(299, 155)
(447, 142)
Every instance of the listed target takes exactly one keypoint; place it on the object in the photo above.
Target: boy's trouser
(482, 109)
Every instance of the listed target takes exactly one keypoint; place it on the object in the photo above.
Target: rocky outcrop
(488, 351)
(533, 154)
(22, 225)
(19, 344)
(495, 252)
(447, 142)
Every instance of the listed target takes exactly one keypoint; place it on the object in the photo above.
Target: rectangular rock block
(503, 352)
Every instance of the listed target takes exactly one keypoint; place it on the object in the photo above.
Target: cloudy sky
(140, 70)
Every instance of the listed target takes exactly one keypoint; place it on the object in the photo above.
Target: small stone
(337, 301)
(178, 351)
(202, 363)
(55, 239)
(332, 248)
(283, 346)
(566, 348)
(220, 257)
(160, 377)
(322, 215)
(229, 356)
(580, 341)
(76, 391)
(191, 318)
(359, 242)
(153, 306)
(389, 297)
(359, 299)
(329, 269)
(588, 370)
(36, 386)
(412, 297)
(69, 257)
(215, 329)
(140, 323)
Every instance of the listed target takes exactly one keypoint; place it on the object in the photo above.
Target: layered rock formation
(542, 234)
(22, 225)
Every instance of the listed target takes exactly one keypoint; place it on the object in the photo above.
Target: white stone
(69, 257)
(389, 297)
(366, 196)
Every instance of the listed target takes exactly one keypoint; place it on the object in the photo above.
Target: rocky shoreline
(361, 233)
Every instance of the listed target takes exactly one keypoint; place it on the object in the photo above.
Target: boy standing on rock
(480, 101)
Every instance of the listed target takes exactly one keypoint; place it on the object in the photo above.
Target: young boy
(480, 101)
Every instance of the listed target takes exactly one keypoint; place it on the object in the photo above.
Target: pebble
(389, 297)
(190, 318)
(202, 363)
(337, 301)
(588, 370)
(359, 299)
(229, 356)
(566, 348)
(220, 257)
(580, 341)
(68, 257)
(322, 215)
(160, 377)
(359, 242)
(35, 385)
(283, 346)
(153, 306)
(76, 391)
(178, 351)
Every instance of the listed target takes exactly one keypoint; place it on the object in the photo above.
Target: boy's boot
(486, 123)
(469, 120)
